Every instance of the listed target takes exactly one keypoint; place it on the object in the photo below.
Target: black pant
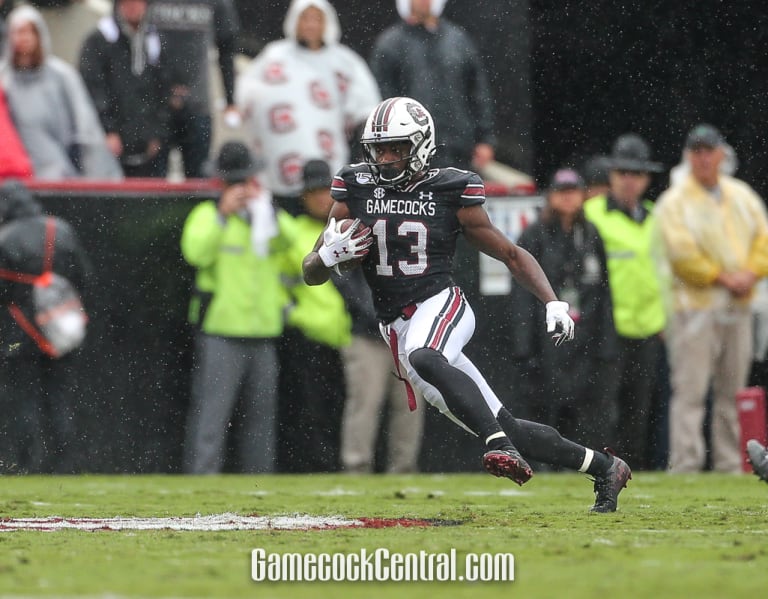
(636, 375)
(578, 398)
(310, 405)
(191, 133)
(580, 402)
(39, 431)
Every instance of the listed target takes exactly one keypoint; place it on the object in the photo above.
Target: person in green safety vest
(625, 222)
(318, 326)
(235, 243)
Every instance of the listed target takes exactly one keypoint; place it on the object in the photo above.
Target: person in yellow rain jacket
(715, 236)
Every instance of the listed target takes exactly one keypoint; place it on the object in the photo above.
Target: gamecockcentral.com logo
(381, 565)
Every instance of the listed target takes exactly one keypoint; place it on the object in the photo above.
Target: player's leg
(545, 444)
(535, 441)
(433, 340)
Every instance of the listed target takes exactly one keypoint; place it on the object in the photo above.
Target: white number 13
(408, 228)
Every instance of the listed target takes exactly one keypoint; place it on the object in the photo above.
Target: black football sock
(461, 394)
(544, 444)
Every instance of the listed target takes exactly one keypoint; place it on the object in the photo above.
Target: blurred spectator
(371, 390)
(376, 403)
(715, 234)
(435, 61)
(189, 30)
(568, 387)
(302, 96)
(50, 105)
(70, 22)
(237, 308)
(728, 165)
(14, 161)
(626, 225)
(595, 172)
(38, 393)
(123, 71)
(6, 6)
(318, 326)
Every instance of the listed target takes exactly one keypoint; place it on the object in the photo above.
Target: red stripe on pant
(437, 339)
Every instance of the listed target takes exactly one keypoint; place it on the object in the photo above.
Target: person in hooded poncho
(50, 106)
(302, 96)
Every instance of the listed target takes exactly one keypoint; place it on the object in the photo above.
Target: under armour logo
(338, 253)
(425, 195)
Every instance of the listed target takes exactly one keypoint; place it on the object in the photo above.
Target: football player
(414, 215)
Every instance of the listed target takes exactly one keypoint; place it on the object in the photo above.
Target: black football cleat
(758, 457)
(507, 463)
(608, 486)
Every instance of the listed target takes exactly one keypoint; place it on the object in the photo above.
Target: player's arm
(315, 270)
(482, 234)
(335, 246)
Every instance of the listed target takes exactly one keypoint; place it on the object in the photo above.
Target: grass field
(674, 536)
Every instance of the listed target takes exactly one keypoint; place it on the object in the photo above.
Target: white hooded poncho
(300, 104)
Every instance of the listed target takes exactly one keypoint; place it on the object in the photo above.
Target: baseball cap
(317, 175)
(704, 135)
(566, 178)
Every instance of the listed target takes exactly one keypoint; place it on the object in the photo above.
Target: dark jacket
(575, 264)
(22, 249)
(187, 28)
(444, 71)
(130, 91)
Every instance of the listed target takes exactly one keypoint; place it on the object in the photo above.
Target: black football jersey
(414, 231)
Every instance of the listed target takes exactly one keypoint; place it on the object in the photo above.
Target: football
(343, 225)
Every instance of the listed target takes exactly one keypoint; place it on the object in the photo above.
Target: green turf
(674, 536)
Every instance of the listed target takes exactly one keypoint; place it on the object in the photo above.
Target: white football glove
(340, 247)
(559, 323)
